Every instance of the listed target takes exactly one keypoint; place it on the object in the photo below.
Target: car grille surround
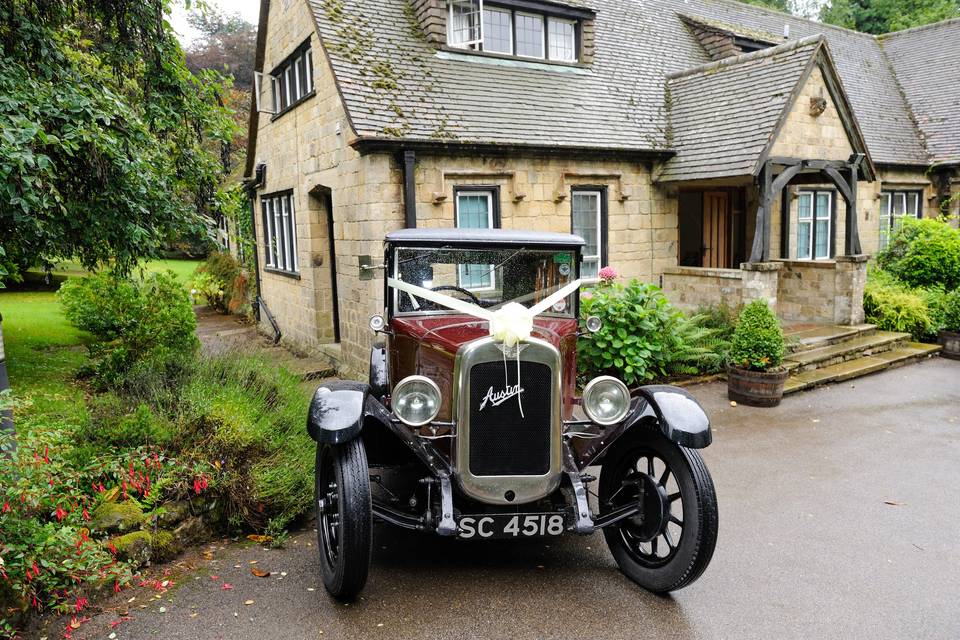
(503, 455)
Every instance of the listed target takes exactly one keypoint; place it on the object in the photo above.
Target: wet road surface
(839, 518)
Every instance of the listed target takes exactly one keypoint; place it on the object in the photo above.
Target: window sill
(293, 275)
(293, 106)
(503, 56)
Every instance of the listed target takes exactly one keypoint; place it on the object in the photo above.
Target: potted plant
(950, 334)
(754, 374)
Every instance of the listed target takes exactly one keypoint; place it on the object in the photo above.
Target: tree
(884, 16)
(104, 133)
(228, 46)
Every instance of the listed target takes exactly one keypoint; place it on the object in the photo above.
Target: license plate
(510, 525)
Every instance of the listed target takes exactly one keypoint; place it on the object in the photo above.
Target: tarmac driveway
(839, 516)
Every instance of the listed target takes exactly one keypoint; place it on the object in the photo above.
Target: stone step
(863, 366)
(848, 349)
(805, 337)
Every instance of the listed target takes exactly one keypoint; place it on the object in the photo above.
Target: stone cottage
(723, 150)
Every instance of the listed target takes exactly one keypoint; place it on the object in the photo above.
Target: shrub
(249, 416)
(894, 306)
(924, 253)
(758, 339)
(221, 283)
(115, 423)
(951, 312)
(149, 322)
(643, 336)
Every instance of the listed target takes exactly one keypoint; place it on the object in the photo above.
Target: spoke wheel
(344, 517)
(670, 541)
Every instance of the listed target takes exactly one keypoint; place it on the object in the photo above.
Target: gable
(809, 133)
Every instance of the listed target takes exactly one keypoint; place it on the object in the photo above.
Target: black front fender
(337, 411)
(680, 416)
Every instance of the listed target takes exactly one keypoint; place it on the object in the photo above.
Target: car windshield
(488, 277)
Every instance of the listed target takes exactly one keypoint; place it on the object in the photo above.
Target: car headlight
(606, 400)
(416, 400)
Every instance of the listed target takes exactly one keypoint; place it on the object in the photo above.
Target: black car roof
(483, 236)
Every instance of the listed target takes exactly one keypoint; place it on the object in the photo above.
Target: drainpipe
(409, 190)
(258, 302)
(6, 415)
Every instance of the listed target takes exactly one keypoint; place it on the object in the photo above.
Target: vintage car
(470, 424)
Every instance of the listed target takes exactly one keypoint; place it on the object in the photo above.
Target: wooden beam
(760, 252)
(841, 183)
(852, 240)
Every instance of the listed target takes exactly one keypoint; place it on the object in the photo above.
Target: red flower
(29, 575)
(227, 586)
(116, 586)
(36, 569)
(46, 455)
(6, 507)
(86, 514)
(112, 548)
(61, 514)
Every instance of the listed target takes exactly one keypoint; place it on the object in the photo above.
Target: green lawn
(182, 268)
(43, 351)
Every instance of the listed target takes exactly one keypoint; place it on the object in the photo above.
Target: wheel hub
(654, 513)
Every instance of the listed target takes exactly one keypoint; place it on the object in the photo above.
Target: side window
(814, 225)
(292, 79)
(588, 221)
(280, 232)
(894, 207)
(477, 208)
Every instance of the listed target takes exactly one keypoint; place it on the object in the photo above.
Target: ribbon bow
(510, 325)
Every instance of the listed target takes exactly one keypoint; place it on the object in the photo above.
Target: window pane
(287, 243)
(278, 234)
(804, 206)
(899, 204)
(823, 206)
(302, 76)
(289, 81)
(803, 240)
(464, 23)
(562, 40)
(823, 239)
(885, 206)
(473, 212)
(295, 265)
(529, 35)
(497, 31)
(586, 221)
(590, 268)
(267, 254)
(309, 67)
(912, 205)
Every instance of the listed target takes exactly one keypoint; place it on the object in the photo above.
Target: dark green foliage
(895, 306)
(758, 339)
(951, 312)
(643, 337)
(118, 422)
(139, 323)
(106, 149)
(883, 16)
(924, 253)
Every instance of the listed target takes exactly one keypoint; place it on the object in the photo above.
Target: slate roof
(725, 114)
(398, 87)
(926, 61)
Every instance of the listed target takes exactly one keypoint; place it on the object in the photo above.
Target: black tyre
(671, 543)
(344, 517)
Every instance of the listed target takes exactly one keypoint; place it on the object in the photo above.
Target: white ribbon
(511, 324)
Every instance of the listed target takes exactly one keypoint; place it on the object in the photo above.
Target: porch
(792, 260)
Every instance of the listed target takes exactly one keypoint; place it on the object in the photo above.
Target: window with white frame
(280, 232)
(492, 28)
(464, 24)
(586, 206)
(894, 207)
(292, 79)
(476, 208)
(814, 217)
(563, 39)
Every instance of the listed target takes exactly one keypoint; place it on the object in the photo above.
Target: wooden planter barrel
(756, 388)
(951, 344)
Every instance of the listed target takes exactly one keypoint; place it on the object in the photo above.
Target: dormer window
(551, 33)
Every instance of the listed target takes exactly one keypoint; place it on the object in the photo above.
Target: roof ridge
(746, 57)
(784, 14)
(933, 25)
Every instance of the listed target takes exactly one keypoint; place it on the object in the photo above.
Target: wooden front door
(716, 229)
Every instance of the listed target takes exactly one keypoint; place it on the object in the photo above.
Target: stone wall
(691, 287)
(806, 135)
(807, 290)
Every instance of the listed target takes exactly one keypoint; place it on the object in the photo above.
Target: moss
(117, 517)
(165, 546)
(136, 547)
